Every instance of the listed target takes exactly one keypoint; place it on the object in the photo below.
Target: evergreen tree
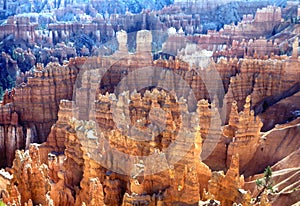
(265, 183)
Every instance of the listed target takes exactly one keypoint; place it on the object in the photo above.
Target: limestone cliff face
(61, 41)
(266, 80)
(8, 193)
(242, 131)
(245, 130)
(91, 185)
(162, 131)
(274, 146)
(286, 108)
(166, 186)
(11, 134)
(285, 180)
(60, 194)
(64, 181)
(224, 45)
(228, 188)
(265, 20)
(30, 177)
(89, 175)
(56, 138)
(20, 125)
(266, 88)
(54, 82)
(20, 27)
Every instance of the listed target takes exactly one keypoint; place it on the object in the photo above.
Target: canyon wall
(233, 73)
(32, 108)
(118, 102)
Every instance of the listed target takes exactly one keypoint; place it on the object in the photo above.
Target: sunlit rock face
(40, 95)
(30, 178)
(153, 108)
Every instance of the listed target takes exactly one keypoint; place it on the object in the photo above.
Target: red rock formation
(21, 27)
(40, 95)
(11, 133)
(266, 80)
(11, 195)
(228, 188)
(92, 192)
(245, 129)
(285, 177)
(56, 139)
(281, 111)
(295, 48)
(8, 193)
(31, 177)
(214, 150)
(80, 162)
(263, 23)
(143, 125)
(195, 81)
(195, 178)
(60, 194)
(274, 146)
(55, 83)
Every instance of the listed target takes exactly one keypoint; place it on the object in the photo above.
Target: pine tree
(265, 183)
